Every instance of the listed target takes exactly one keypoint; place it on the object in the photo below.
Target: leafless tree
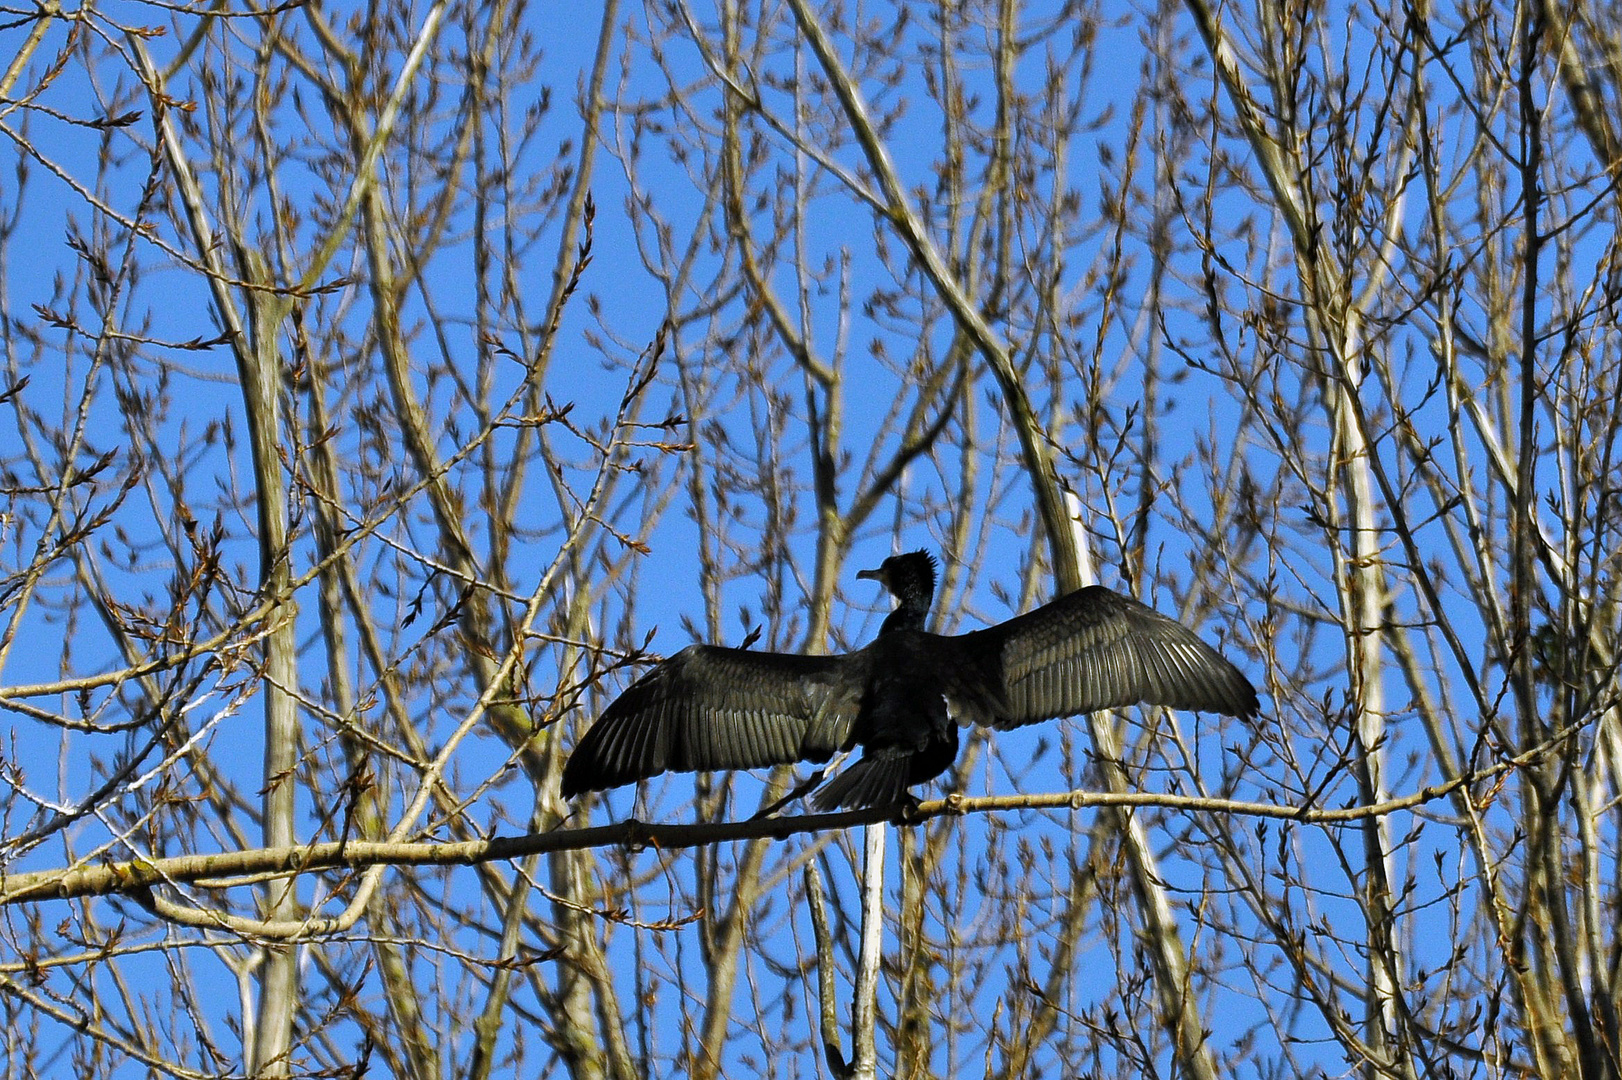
(380, 381)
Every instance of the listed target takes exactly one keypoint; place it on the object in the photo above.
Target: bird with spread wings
(902, 697)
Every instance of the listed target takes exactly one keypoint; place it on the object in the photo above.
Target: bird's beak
(872, 575)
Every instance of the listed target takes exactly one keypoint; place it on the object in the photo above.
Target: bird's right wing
(1092, 649)
(709, 707)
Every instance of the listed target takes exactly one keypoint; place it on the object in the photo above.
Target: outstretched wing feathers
(709, 707)
(1096, 649)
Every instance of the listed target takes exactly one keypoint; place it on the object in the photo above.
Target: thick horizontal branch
(128, 875)
(131, 875)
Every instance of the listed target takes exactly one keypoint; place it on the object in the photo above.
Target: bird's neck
(910, 614)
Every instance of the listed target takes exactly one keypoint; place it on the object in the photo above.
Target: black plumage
(901, 697)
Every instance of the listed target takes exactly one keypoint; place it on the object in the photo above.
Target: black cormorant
(902, 697)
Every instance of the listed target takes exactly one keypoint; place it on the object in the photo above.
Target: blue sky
(1200, 417)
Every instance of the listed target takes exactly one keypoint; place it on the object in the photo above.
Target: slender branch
(125, 876)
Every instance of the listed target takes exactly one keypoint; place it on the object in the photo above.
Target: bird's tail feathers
(872, 781)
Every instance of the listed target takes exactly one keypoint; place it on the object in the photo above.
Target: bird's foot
(906, 811)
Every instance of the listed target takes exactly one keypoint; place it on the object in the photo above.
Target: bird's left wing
(1093, 649)
(709, 707)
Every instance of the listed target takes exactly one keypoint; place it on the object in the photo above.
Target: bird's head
(909, 577)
